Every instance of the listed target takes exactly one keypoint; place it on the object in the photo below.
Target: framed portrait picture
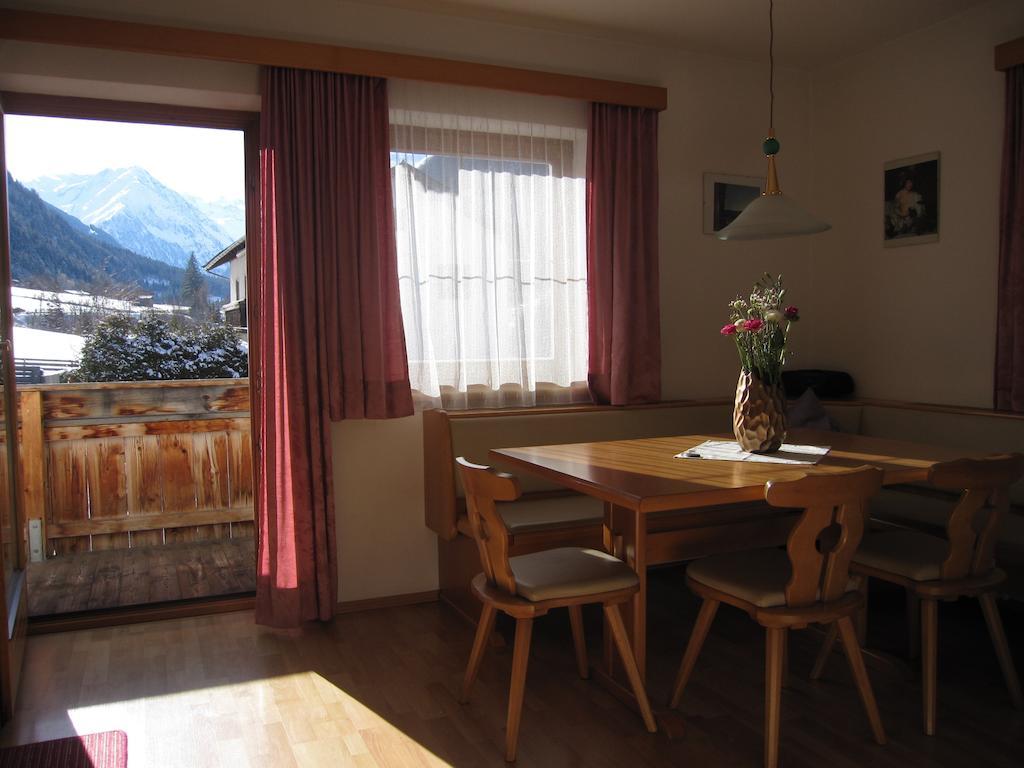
(911, 206)
(725, 197)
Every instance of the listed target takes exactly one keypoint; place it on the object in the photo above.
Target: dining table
(642, 478)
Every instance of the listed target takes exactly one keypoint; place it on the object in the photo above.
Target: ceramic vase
(759, 417)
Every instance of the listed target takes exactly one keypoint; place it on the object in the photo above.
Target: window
(118, 234)
(489, 193)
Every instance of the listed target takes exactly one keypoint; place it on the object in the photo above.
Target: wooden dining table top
(644, 475)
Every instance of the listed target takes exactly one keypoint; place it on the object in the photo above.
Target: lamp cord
(771, 67)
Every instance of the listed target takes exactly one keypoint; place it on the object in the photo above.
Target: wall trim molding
(963, 410)
(90, 32)
(387, 601)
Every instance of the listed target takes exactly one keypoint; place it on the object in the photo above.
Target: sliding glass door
(13, 612)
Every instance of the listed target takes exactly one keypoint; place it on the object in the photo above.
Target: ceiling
(808, 33)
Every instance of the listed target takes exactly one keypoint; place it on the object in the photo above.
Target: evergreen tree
(55, 318)
(193, 289)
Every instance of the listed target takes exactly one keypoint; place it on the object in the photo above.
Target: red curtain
(1009, 384)
(622, 255)
(328, 341)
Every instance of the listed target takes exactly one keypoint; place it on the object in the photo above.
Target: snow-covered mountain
(229, 215)
(141, 213)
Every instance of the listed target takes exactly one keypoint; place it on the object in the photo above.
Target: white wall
(916, 322)
(715, 121)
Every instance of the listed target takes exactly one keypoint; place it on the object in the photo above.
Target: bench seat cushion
(569, 572)
(557, 512)
(932, 509)
(758, 577)
(910, 554)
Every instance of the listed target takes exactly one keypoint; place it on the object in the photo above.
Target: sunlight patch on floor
(295, 719)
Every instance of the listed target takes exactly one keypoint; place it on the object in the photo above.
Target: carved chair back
(823, 541)
(484, 486)
(973, 527)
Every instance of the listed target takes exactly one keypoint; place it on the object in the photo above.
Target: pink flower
(792, 313)
(728, 330)
(754, 324)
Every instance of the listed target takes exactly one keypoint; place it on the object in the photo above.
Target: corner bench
(549, 516)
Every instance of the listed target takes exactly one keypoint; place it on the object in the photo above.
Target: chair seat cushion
(569, 572)
(557, 512)
(758, 577)
(910, 554)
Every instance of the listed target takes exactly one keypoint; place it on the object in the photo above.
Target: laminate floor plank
(379, 688)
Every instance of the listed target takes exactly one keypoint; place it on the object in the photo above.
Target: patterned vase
(759, 418)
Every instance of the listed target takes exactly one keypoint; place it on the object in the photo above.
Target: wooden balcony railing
(122, 465)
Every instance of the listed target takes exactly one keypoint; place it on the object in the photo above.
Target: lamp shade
(769, 216)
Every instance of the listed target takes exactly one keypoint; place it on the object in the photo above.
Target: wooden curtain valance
(1010, 54)
(58, 29)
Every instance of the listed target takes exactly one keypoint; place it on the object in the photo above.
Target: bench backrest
(983, 431)
(447, 434)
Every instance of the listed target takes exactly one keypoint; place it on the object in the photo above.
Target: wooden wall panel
(143, 485)
(69, 490)
(112, 402)
(179, 481)
(122, 463)
(240, 469)
(210, 469)
(108, 488)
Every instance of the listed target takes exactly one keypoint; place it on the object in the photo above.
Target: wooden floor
(378, 689)
(88, 581)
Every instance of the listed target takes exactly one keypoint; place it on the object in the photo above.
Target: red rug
(95, 750)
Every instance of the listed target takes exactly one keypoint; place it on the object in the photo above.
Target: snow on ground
(36, 300)
(34, 344)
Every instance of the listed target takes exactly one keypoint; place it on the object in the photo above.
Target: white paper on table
(727, 450)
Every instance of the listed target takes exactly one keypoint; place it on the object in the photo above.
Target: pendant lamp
(772, 214)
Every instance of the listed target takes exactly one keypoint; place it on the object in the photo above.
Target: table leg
(625, 536)
(636, 556)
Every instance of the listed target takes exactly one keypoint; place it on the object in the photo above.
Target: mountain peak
(141, 213)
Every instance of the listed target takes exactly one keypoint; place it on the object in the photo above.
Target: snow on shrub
(124, 348)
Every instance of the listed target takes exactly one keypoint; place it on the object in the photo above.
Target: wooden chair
(931, 568)
(806, 583)
(529, 586)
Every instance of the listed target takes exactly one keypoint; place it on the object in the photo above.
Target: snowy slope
(229, 215)
(138, 211)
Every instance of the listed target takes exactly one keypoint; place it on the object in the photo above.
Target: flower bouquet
(760, 326)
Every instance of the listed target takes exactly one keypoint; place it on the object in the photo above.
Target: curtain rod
(88, 32)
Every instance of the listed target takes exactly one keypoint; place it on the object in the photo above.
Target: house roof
(228, 254)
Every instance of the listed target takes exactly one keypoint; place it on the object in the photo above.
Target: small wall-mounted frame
(911, 204)
(725, 197)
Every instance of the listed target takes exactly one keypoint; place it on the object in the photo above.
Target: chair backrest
(485, 486)
(825, 538)
(973, 526)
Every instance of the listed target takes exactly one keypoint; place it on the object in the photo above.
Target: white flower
(775, 316)
(739, 326)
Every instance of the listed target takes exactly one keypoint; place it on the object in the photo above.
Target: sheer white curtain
(489, 192)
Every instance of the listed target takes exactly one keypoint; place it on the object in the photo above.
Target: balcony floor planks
(86, 581)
